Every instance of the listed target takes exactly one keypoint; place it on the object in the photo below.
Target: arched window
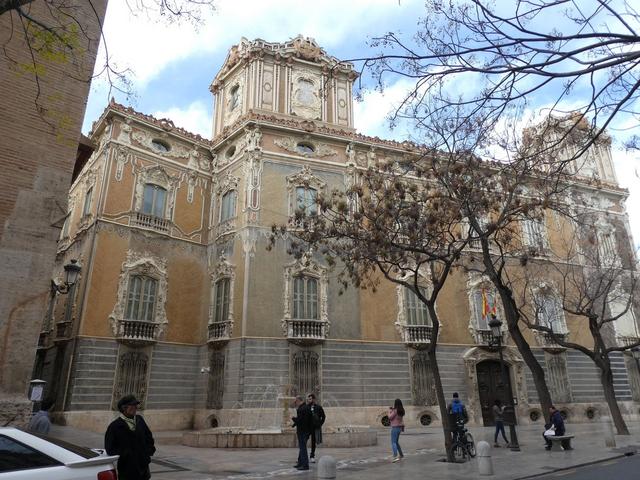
(306, 199)
(88, 199)
(154, 200)
(416, 312)
(305, 298)
(228, 205)
(141, 298)
(221, 300)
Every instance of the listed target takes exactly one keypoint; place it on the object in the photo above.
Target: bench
(558, 441)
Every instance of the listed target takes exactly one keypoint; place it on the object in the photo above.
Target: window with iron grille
(306, 373)
(423, 383)
(221, 300)
(215, 387)
(131, 377)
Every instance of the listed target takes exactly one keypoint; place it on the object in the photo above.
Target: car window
(82, 451)
(18, 456)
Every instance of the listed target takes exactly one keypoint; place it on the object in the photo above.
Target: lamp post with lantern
(496, 341)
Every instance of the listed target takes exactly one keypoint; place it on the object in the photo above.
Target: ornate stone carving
(253, 173)
(150, 265)
(191, 186)
(305, 94)
(351, 153)
(253, 137)
(320, 150)
(512, 358)
(308, 267)
(233, 104)
(122, 156)
(125, 132)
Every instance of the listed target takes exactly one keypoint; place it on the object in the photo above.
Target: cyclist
(457, 411)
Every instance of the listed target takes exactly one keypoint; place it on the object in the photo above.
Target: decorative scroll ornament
(305, 95)
(319, 149)
(149, 265)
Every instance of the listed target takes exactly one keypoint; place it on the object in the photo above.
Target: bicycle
(463, 445)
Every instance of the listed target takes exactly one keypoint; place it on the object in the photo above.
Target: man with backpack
(457, 411)
(318, 418)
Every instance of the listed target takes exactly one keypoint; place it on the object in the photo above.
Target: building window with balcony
(414, 322)
(154, 200)
(303, 189)
(549, 312)
(305, 296)
(416, 312)
(139, 315)
(228, 206)
(483, 303)
(221, 307)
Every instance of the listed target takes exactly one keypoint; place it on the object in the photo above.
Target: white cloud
(146, 46)
(195, 118)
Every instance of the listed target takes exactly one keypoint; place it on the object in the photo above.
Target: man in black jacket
(130, 437)
(304, 426)
(317, 419)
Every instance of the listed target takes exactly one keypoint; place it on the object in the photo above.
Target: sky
(172, 65)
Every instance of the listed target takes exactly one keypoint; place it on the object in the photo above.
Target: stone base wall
(14, 412)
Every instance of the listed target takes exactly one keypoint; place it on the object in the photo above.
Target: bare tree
(595, 287)
(392, 224)
(493, 59)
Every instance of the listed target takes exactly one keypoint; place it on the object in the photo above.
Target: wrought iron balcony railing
(485, 337)
(627, 340)
(547, 340)
(137, 332)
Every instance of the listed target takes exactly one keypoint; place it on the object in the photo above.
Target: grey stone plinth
(327, 467)
(485, 464)
(343, 437)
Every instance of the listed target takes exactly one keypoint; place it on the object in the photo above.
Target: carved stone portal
(512, 358)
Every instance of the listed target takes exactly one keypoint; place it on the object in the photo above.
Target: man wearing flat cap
(129, 437)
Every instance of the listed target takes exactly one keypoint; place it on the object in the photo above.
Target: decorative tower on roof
(295, 78)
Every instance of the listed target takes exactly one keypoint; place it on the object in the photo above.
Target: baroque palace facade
(180, 303)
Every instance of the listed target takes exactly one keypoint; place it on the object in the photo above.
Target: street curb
(580, 465)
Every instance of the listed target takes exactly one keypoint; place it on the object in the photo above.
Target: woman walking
(396, 416)
(498, 417)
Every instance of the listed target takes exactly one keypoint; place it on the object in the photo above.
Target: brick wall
(38, 150)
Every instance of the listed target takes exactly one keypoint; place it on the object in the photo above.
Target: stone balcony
(137, 332)
(627, 340)
(485, 337)
(150, 222)
(307, 332)
(416, 336)
(545, 340)
(219, 332)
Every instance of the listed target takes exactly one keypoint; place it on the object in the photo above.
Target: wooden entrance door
(491, 387)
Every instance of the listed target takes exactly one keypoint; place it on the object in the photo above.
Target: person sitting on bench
(557, 423)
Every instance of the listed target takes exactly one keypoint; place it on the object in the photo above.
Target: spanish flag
(486, 308)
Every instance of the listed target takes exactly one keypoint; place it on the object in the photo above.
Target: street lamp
(71, 272)
(496, 332)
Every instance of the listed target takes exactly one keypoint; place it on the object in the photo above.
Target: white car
(27, 456)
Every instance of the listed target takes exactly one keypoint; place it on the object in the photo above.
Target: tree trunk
(442, 403)
(606, 379)
(513, 317)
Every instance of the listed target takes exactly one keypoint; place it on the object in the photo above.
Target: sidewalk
(422, 447)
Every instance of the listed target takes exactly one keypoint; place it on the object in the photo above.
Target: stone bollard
(327, 467)
(485, 464)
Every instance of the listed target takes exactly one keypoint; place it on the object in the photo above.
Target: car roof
(54, 451)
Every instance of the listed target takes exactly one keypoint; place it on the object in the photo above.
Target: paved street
(423, 457)
(618, 469)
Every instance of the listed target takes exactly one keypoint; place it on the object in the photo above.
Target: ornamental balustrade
(151, 222)
(627, 340)
(219, 331)
(137, 332)
(546, 339)
(306, 331)
(417, 334)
